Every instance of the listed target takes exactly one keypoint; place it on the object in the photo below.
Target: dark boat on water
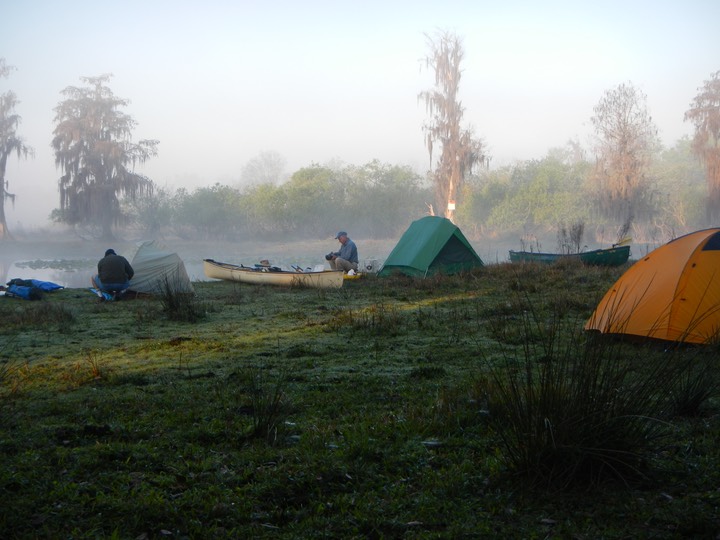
(614, 256)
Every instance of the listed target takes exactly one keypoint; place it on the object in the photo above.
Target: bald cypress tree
(458, 150)
(704, 113)
(95, 153)
(10, 143)
(625, 139)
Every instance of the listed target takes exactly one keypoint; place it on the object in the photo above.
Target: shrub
(179, 305)
(575, 412)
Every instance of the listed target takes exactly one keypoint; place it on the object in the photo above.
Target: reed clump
(574, 410)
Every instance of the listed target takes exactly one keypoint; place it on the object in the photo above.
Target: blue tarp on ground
(29, 289)
(44, 285)
(101, 294)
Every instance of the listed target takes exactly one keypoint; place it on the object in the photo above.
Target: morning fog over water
(71, 262)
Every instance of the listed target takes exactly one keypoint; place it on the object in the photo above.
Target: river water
(72, 262)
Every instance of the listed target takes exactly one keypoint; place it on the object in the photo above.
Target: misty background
(283, 122)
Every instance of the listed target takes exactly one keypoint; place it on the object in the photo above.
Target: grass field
(451, 407)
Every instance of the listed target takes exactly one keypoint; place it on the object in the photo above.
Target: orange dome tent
(673, 293)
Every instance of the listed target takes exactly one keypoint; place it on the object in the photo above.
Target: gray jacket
(348, 251)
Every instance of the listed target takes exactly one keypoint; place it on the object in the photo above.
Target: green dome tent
(431, 245)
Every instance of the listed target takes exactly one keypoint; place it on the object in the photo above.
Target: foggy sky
(218, 82)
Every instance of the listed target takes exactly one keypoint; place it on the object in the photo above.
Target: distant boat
(269, 275)
(614, 256)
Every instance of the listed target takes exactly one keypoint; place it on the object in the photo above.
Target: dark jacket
(115, 269)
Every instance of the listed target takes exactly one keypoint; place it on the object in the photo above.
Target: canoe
(614, 256)
(326, 279)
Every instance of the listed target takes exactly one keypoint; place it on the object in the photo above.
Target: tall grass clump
(270, 406)
(696, 384)
(377, 319)
(569, 237)
(179, 305)
(571, 410)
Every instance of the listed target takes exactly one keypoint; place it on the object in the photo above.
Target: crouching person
(114, 274)
(347, 258)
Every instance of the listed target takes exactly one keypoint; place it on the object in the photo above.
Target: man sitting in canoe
(347, 258)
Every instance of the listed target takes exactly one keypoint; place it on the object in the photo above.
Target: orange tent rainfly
(673, 293)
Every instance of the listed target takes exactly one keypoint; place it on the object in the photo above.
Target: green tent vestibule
(431, 245)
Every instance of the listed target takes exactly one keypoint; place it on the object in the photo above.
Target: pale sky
(217, 82)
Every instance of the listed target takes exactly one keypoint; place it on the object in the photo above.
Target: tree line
(538, 197)
(372, 200)
(629, 180)
(379, 200)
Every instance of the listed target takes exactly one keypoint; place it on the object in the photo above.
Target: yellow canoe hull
(326, 279)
